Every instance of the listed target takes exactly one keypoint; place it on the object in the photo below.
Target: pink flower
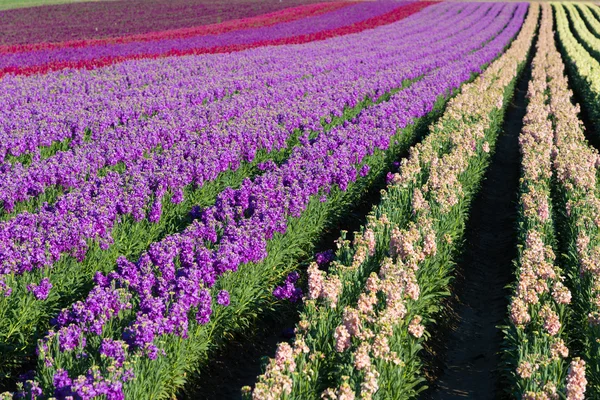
(342, 338)
(558, 349)
(381, 347)
(576, 382)
(351, 321)
(369, 386)
(361, 357)
(345, 392)
(518, 312)
(561, 293)
(415, 328)
(418, 201)
(526, 369)
(284, 357)
(315, 281)
(372, 284)
(551, 320)
(369, 237)
(366, 302)
(331, 289)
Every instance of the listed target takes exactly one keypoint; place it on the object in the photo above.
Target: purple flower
(324, 257)
(204, 308)
(223, 298)
(364, 171)
(292, 277)
(288, 290)
(62, 384)
(389, 177)
(4, 289)
(70, 337)
(114, 349)
(42, 290)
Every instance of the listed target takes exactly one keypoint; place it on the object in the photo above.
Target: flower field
(307, 199)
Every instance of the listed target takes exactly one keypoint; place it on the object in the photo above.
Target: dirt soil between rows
(467, 351)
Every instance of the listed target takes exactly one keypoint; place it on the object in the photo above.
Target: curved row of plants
(364, 320)
(582, 66)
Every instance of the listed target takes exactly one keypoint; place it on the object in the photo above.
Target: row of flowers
(591, 15)
(59, 23)
(364, 320)
(32, 243)
(576, 164)
(540, 307)
(353, 19)
(146, 323)
(271, 18)
(584, 68)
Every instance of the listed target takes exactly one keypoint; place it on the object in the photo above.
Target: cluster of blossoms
(289, 290)
(367, 315)
(576, 381)
(41, 290)
(580, 46)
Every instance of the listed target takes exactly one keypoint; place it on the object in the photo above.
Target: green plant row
(582, 66)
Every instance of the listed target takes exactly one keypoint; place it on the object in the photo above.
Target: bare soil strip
(470, 349)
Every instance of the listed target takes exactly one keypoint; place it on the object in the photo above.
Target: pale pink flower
(429, 244)
(300, 346)
(551, 390)
(418, 201)
(519, 314)
(342, 338)
(345, 392)
(351, 321)
(370, 385)
(486, 147)
(381, 347)
(369, 237)
(315, 281)
(373, 281)
(361, 357)
(396, 310)
(576, 381)
(559, 349)
(561, 294)
(551, 321)
(412, 289)
(331, 289)
(366, 302)
(526, 369)
(415, 328)
(284, 357)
